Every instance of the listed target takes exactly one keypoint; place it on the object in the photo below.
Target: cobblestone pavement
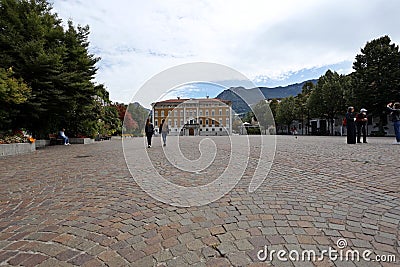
(79, 205)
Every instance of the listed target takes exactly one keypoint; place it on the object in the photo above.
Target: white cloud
(262, 39)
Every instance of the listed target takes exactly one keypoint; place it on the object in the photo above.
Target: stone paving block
(81, 259)
(191, 258)
(218, 262)
(178, 261)
(243, 245)
(146, 261)
(111, 258)
(67, 255)
(51, 262)
(226, 237)
(238, 259)
(217, 230)
(34, 260)
(226, 247)
(179, 250)
(163, 255)
(209, 252)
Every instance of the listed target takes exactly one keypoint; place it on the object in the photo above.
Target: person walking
(64, 137)
(149, 130)
(351, 126)
(164, 128)
(395, 115)
(361, 123)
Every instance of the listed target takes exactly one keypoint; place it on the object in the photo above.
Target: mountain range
(241, 97)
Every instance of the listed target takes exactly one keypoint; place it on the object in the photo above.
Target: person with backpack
(164, 129)
(395, 115)
(361, 123)
(149, 130)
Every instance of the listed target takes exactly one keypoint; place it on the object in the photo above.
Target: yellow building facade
(203, 116)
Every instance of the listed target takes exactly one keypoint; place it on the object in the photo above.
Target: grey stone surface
(79, 205)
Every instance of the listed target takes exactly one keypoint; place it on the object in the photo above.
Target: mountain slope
(241, 97)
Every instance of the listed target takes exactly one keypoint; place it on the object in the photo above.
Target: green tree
(13, 92)
(327, 100)
(57, 66)
(301, 103)
(135, 119)
(263, 115)
(274, 106)
(248, 117)
(78, 72)
(287, 112)
(31, 44)
(377, 77)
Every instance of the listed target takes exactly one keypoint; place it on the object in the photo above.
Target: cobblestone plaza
(79, 205)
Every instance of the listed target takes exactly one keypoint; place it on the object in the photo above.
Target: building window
(213, 122)
(212, 112)
(181, 123)
(156, 113)
(181, 113)
(207, 122)
(227, 112)
(169, 122)
(162, 113)
(175, 123)
(201, 112)
(175, 113)
(206, 112)
(220, 112)
(220, 122)
(156, 122)
(227, 122)
(201, 121)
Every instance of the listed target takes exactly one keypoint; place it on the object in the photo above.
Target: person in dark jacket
(351, 126)
(395, 115)
(361, 123)
(149, 130)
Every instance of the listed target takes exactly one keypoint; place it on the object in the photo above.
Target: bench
(55, 140)
(101, 137)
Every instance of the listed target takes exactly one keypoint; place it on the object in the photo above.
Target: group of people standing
(149, 130)
(357, 123)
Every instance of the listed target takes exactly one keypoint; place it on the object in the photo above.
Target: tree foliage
(135, 119)
(58, 67)
(13, 92)
(327, 100)
(376, 80)
(263, 115)
(287, 111)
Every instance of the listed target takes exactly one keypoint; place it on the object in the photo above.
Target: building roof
(181, 100)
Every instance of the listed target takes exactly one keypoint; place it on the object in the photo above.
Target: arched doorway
(191, 131)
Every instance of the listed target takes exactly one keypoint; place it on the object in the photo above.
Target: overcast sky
(270, 42)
